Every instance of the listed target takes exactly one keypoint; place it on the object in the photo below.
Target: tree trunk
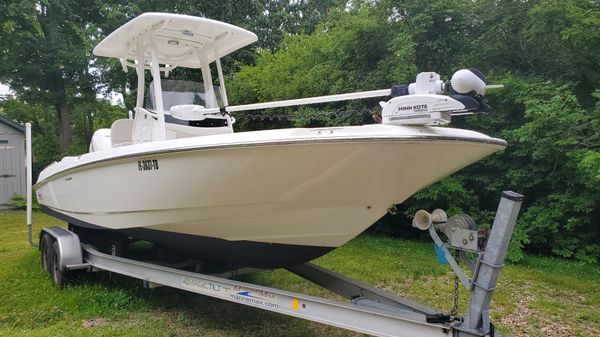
(89, 125)
(65, 133)
(49, 22)
(65, 136)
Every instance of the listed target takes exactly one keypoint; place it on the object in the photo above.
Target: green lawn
(539, 297)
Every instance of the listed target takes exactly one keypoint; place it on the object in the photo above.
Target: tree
(562, 39)
(277, 19)
(43, 129)
(352, 51)
(44, 54)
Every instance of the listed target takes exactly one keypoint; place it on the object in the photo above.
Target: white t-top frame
(160, 42)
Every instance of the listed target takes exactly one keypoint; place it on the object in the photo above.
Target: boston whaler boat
(177, 175)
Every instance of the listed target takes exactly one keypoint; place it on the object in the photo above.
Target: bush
(19, 202)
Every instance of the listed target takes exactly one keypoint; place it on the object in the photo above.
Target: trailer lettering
(241, 290)
(253, 300)
(204, 286)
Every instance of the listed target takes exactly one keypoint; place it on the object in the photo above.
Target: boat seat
(121, 132)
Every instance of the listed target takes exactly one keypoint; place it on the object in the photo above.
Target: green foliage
(551, 159)
(517, 244)
(19, 202)
(45, 54)
(559, 140)
(448, 194)
(562, 39)
(352, 51)
(276, 19)
(44, 130)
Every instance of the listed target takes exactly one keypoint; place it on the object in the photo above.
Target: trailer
(368, 310)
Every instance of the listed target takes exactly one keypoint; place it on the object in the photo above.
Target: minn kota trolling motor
(423, 102)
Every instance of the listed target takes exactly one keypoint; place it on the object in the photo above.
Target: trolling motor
(423, 102)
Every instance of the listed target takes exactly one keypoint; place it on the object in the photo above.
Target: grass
(538, 297)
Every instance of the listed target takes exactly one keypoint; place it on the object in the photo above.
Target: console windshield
(180, 92)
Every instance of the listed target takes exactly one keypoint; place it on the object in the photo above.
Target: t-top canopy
(176, 37)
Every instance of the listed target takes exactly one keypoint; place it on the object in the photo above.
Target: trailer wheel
(45, 252)
(57, 273)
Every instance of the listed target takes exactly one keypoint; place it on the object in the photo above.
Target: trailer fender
(69, 246)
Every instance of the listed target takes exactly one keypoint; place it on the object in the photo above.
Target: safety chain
(454, 310)
(318, 115)
(451, 316)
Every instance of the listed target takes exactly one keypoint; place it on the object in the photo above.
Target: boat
(177, 175)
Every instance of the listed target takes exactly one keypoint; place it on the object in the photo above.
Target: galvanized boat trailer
(370, 310)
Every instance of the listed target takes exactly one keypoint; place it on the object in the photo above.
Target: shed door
(9, 170)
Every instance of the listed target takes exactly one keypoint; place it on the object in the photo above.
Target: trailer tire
(56, 272)
(46, 252)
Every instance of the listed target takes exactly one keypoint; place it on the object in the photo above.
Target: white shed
(12, 159)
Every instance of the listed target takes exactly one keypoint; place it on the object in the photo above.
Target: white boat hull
(315, 190)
